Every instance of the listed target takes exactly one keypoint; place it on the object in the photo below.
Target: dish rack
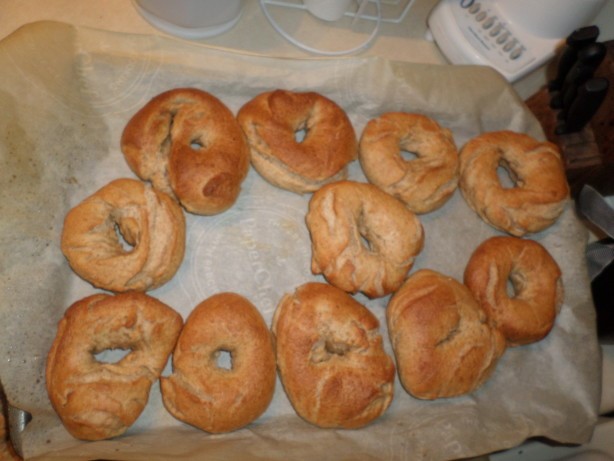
(393, 11)
(375, 11)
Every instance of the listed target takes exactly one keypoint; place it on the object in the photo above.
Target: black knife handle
(575, 41)
(588, 59)
(581, 74)
(592, 54)
(588, 99)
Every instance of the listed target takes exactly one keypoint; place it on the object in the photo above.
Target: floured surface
(66, 95)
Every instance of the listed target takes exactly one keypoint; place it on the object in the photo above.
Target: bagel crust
(331, 358)
(424, 183)
(345, 214)
(150, 222)
(190, 146)
(442, 341)
(207, 395)
(529, 314)
(97, 400)
(540, 190)
(271, 121)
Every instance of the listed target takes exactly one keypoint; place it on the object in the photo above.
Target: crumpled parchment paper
(66, 94)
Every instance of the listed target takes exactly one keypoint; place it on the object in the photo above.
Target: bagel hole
(300, 135)
(124, 238)
(365, 242)
(515, 285)
(223, 359)
(510, 288)
(111, 355)
(336, 348)
(363, 232)
(507, 178)
(408, 155)
(325, 349)
(197, 144)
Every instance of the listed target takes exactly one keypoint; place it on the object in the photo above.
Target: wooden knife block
(588, 154)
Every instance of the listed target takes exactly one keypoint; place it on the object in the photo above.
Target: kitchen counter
(404, 41)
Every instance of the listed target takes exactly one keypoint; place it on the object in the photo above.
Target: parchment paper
(66, 94)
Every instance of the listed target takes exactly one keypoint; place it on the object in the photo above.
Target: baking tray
(67, 92)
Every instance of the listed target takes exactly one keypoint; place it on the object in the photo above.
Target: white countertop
(404, 41)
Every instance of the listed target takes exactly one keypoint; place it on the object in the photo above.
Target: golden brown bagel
(345, 214)
(540, 189)
(271, 121)
(150, 222)
(189, 145)
(330, 357)
(207, 395)
(442, 341)
(97, 400)
(529, 314)
(424, 183)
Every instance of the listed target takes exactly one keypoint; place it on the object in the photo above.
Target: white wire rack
(392, 11)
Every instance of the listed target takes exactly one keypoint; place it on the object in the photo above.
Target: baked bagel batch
(192, 154)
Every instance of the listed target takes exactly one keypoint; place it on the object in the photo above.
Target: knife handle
(588, 99)
(581, 74)
(592, 54)
(588, 59)
(575, 41)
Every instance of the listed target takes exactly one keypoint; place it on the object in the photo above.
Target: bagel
(190, 146)
(529, 314)
(442, 341)
(540, 190)
(423, 183)
(204, 393)
(330, 357)
(362, 238)
(272, 121)
(150, 222)
(97, 400)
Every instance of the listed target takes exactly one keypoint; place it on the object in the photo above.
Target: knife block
(588, 155)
